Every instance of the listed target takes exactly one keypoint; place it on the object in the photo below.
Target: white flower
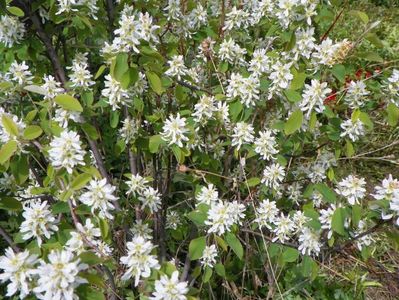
(173, 10)
(309, 242)
(59, 278)
(231, 52)
(280, 76)
(265, 144)
(169, 288)
(141, 229)
(219, 218)
(313, 97)
(39, 222)
(204, 109)
(52, 87)
(173, 219)
(18, 269)
(304, 42)
(391, 87)
(365, 240)
(174, 130)
(236, 211)
(388, 190)
(99, 196)
(76, 242)
(317, 198)
(356, 94)
(198, 16)
(300, 220)
(326, 219)
(20, 73)
(242, 134)
(285, 226)
(128, 35)
(353, 129)
(136, 184)
(236, 18)
(139, 260)
(352, 187)
(147, 29)
(66, 151)
(62, 117)
(114, 93)
(66, 6)
(11, 30)
(150, 198)
(245, 89)
(273, 175)
(80, 76)
(176, 67)
(266, 213)
(260, 62)
(208, 195)
(208, 258)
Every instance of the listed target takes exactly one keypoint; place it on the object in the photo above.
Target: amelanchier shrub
(187, 149)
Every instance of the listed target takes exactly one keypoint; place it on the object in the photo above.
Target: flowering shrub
(191, 150)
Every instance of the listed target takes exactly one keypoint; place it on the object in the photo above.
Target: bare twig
(8, 239)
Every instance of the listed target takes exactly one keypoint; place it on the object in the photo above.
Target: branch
(8, 239)
(192, 87)
(324, 36)
(109, 4)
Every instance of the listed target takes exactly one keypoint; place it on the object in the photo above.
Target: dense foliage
(197, 149)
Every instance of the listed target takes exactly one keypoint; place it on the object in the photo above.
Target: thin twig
(8, 239)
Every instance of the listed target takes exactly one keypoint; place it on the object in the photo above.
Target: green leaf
(80, 181)
(292, 96)
(290, 255)
(371, 56)
(9, 203)
(235, 244)
(91, 131)
(35, 89)
(198, 217)
(16, 11)
(222, 244)
(155, 82)
(119, 66)
(365, 118)
(328, 194)
(90, 258)
(309, 267)
(254, 181)
(7, 150)
(60, 208)
(20, 168)
(104, 227)
(349, 149)
(235, 108)
(32, 132)
(155, 142)
(196, 248)
(9, 125)
(220, 270)
(356, 214)
(339, 72)
(338, 221)
(298, 81)
(207, 274)
(114, 119)
(393, 114)
(100, 71)
(68, 102)
(361, 15)
(179, 154)
(294, 122)
(86, 292)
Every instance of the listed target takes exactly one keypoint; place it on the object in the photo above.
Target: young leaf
(32, 132)
(196, 247)
(294, 122)
(7, 150)
(68, 102)
(235, 244)
(155, 82)
(154, 143)
(9, 125)
(338, 221)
